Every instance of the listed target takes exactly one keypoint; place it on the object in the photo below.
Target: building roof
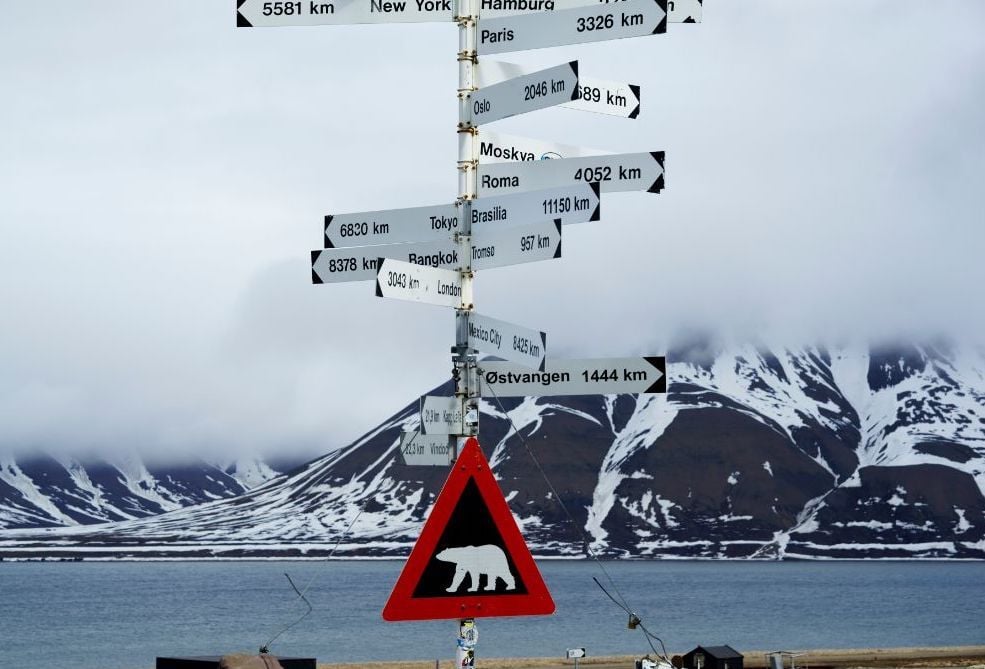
(720, 652)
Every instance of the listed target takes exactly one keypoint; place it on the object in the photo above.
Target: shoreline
(835, 658)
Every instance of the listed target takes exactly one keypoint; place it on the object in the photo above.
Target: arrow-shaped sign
(429, 450)
(263, 13)
(417, 283)
(537, 90)
(496, 147)
(596, 23)
(606, 376)
(678, 11)
(506, 340)
(442, 415)
(594, 95)
(614, 172)
(495, 246)
(570, 204)
(392, 226)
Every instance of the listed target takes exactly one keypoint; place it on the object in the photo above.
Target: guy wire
(621, 602)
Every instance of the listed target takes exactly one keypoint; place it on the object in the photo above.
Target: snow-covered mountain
(754, 452)
(49, 491)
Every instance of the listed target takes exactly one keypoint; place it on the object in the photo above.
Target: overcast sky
(163, 177)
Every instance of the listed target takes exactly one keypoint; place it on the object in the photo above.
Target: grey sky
(163, 176)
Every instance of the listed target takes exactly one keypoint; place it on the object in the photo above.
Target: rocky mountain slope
(808, 453)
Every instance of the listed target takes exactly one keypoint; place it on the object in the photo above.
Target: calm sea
(123, 615)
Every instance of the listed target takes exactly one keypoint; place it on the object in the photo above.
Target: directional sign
(262, 13)
(537, 90)
(594, 95)
(418, 283)
(496, 147)
(631, 18)
(678, 11)
(392, 226)
(606, 376)
(429, 450)
(571, 204)
(575, 653)
(441, 415)
(506, 340)
(470, 560)
(360, 263)
(614, 172)
(494, 246)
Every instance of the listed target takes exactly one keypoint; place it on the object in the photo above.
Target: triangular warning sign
(471, 560)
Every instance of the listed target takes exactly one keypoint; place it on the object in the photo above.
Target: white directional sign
(417, 283)
(359, 263)
(494, 147)
(537, 90)
(594, 95)
(678, 11)
(595, 23)
(392, 226)
(575, 653)
(495, 246)
(575, 377)
(571, 204)
(506, 340)
(614, 172)
(262, 13)
(432, 450)
(441, 415)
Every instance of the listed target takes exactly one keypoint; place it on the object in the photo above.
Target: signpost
(594, 23)
(506, 340)
(605, 376)
(529, 188)
(614, 172)
(263, 13)
(525, 93)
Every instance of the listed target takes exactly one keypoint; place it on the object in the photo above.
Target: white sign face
(417, 283)
(494, 246)
(537, 90)
(392, 226)
(441, 415)
(571, 204)
(360, 263)
(430, 450)
(614, 172)
(594, 95)
(678, 11)
(595, 23)
(506, 340)
(499, 148)
(262, 13)
(574, 653)
(605, 376)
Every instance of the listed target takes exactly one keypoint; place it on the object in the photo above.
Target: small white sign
(614, 172)
(392, 226)
(507, 340)
(522, 94)
(575, 653)
(575, 203)
(429, 450)
(263, 13)
(359, 263)
(417, 283)
(606, 376)
(493, 147)
(678, 11)
(441, 415)
(494, 246)
(594, 95)
(595, 23)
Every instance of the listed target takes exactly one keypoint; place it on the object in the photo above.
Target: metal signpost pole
(466, 371)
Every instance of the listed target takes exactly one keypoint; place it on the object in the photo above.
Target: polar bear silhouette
(476, 561)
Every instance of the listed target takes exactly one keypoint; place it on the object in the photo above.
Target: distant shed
(713, 657)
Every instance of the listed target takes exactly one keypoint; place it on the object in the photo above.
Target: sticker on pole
(470, 560)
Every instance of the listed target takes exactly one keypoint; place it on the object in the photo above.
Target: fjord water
(122, 615)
